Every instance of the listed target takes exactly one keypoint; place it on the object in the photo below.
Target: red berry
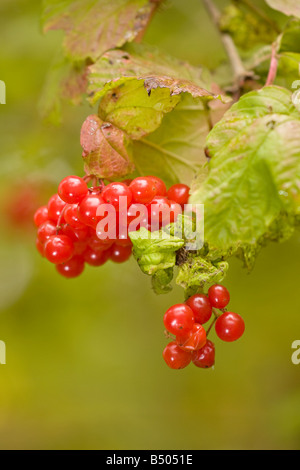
(143, 190)
(95, 258)
(119, 254)
(179, 193)
(76, 234)
(175, 357)
(71, 268)
(87, 209)
(204, 357)
(161, 189)
(175, 210)
(114, 191)
(218, 296)
(71, 216)
(201, 307)
(194, 340)
(230, 326)
(99, 245)
(159, 212)
(179, 319)
(72, 189)
(39, 246)
(59, 249)
(55, 207)
(46, 230)
(137, 216)
(40, 215)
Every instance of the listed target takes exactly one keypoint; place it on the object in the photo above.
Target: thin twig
(239, 71)
(273, 66)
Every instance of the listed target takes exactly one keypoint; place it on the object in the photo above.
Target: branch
(273, 66)
(239, 71)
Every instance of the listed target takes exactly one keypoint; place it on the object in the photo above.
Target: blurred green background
(84, 357)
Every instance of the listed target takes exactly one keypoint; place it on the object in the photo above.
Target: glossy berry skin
(143, 190)
(87, 209)
(159, 212)
(179, 319)
(175, 210)
(77, 235)
(218, 296)
(161, 189)
(39, 246)
(95, 258)
(195, 340)
(71, 216)
(179, 193)
(46, 230)
(119, 253)
(201, 307)
(112, 193)
(230, 326)
(59, 249)
(40, 215)
(72, 268)
(55, 207)
(72, 189)
(204, 357)
(175, 357)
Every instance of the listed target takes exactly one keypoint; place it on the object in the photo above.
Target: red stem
(273, 67)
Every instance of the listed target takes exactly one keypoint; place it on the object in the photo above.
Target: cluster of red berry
(68, 232)
(185, 321)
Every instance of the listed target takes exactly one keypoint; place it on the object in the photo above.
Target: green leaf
(161, 280)
(154, 251)
(247, 29)
(106, 149)
(140, 60)
(252, 191)
(197, 273)
(289, 40)
(94, 26)
(288, 7)
(161, 103)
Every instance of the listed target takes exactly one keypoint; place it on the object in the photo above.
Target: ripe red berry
(39, 246)
(204, 357)
(179, 319)
(230, 326)
(59, 249)
(71, 268)
(143, 190)
(175, 357)
(87, 209)
(175, 210)
(46, 230)
(194, 340)
(71, 216)
(95, 258)
(161, 189)
(55, 207)
(119, 253)
(99, 245)
(40, 215)
(218, 296)
(179, 193)
(76, 234)
(72, 189)
(201, 307)
(159, 212)
(137, 217)
(114, 191)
